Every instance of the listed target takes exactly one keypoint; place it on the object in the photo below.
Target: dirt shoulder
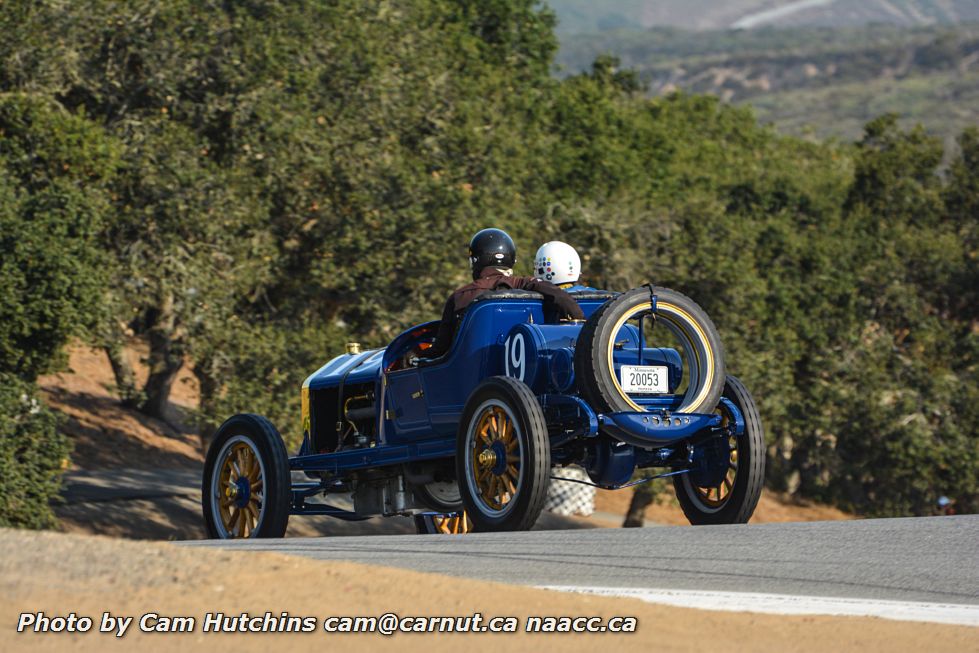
(772, 507)
(60, 573)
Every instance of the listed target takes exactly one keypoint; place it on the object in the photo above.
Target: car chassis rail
(656, 433)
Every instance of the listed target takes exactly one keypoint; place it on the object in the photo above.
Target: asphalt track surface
(931, 559)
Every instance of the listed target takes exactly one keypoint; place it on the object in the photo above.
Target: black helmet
(491, 248)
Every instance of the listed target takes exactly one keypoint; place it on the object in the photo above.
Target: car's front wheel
(503, 456)
(246, 485)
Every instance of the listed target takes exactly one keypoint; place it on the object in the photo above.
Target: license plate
(644, 378)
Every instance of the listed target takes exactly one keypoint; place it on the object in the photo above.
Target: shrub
(33, 454)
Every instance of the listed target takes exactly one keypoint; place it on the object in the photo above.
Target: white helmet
(557, 262)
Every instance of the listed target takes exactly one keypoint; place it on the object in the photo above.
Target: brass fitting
(487, 458)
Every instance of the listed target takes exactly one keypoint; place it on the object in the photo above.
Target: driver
(492, 256)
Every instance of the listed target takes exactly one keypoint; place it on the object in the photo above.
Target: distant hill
(830, 80)
(579, 16)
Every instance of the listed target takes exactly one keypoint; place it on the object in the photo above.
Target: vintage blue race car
(477, 434)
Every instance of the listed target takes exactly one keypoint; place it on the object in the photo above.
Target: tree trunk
(122, 370)
(166, 359)
(209, 388)
(641, 498)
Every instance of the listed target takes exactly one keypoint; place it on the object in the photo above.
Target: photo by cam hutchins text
(385, 624)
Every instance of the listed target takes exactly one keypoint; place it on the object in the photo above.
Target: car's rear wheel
(246, 485)
(682, 323)
(503, 456)
(734, 497)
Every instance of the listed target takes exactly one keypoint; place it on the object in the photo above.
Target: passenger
(568, 493)
(492, 256)
(560, 264)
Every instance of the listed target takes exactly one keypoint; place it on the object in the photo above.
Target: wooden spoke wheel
(453, 524)
(496, 457)
(733, 498)
(246, 481)
(503, 456)
(715, 497)
(239, 488)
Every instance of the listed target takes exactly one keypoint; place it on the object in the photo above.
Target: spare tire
(703, 354)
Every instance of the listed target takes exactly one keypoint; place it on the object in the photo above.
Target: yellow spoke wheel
(496, 464)
(246, 488)
(457, 524)
(503, 456)
(732, 499)
(240, 493)
(716, 496)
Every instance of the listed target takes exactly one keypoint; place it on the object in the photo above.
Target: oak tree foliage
(249, 184)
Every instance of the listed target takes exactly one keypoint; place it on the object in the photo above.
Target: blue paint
(419, 408)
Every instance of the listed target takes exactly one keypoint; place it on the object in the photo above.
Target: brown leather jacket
(493, 279)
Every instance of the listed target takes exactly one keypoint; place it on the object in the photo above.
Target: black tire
(246, 442)
(513, 489)
(683, 317)
(737, 506)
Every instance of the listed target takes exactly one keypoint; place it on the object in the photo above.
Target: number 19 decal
(514, 356)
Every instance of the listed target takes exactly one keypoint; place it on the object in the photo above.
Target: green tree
(32, 456)
(293, 174)
(54, 168)
(902, 391)
(962, 202)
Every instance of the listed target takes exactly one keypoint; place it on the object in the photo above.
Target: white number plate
(644, 378)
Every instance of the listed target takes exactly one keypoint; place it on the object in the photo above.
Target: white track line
(943, 613)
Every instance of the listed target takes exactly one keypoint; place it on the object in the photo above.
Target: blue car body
(372, 410)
